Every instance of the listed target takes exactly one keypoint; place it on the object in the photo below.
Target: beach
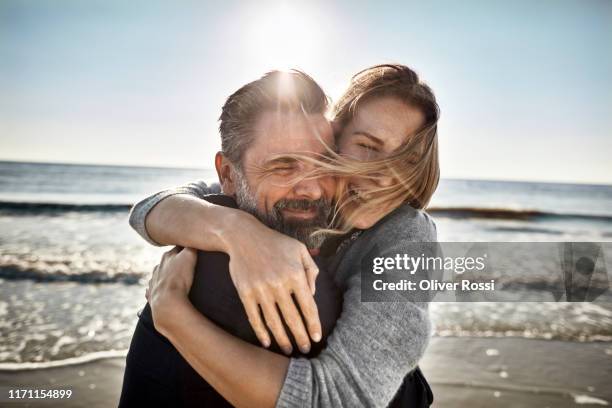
(451, 155)
(70, 291)
(514, 372)
(463, 372)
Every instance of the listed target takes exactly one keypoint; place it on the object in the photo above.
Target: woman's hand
(268, 270)
(170, 284)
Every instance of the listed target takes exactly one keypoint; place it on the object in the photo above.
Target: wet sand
(94, 384)
(511, 372)
(463, 372)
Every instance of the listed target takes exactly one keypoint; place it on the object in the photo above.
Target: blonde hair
(414, 166)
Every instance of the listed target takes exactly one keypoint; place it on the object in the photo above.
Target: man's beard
(302, 230)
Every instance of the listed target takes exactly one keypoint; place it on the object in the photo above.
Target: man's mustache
(320, 205)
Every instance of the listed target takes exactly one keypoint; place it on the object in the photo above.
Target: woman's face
(378, 128)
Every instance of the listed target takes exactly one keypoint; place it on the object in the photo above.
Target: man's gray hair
(290, 91)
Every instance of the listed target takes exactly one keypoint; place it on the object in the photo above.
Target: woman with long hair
(385, 163)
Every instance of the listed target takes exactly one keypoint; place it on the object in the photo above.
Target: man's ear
(225, 172)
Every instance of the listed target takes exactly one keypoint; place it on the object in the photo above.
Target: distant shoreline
(191, 168)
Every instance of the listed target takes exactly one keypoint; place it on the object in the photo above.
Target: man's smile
(298, 213)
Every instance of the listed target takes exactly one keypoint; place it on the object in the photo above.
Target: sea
(73, 272)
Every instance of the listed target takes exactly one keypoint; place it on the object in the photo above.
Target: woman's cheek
(365, 221)
(350, 151)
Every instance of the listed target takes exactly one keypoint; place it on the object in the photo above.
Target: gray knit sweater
(374, 344)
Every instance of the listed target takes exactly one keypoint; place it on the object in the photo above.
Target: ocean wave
(526, 229)
(512, 214)
(457, 333)
(19, 272)
(18, 207)
(26, 207)
(87, 358)
(524, 334)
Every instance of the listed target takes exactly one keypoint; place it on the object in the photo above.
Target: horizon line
(176, 167)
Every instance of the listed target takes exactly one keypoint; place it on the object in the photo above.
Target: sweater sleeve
(371, 349)
(140, 210)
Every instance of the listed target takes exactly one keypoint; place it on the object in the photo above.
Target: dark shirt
(157, 375)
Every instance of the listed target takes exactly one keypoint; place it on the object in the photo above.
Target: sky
(525, 88)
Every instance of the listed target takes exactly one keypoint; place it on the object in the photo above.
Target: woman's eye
(367, 147)
(283, 169)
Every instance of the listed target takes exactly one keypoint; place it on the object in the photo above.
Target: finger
(254, 315)
(311, 269)
(274, 323)
(309, 310)
(294, 320)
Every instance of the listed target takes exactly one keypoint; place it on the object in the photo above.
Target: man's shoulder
(221, 199)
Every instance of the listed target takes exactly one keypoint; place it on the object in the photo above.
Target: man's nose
(310, 189)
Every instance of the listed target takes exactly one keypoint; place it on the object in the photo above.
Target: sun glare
(283, 37)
